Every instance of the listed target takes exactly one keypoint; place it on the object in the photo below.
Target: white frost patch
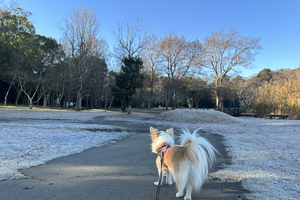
(266, 156)
(22, 113)
(265, 153)
(197, 116)
(26, 143)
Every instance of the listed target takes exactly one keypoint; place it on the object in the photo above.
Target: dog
(187, 163)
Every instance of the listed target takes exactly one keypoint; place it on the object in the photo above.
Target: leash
(161, 154)
(160, 178)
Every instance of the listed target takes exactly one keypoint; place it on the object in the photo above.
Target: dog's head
(161, 138)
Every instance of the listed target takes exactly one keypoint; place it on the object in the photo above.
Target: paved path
(121, 171)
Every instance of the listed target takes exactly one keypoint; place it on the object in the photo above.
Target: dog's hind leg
(181, 180)
(188, 195)
(181, 176)
(169, 178)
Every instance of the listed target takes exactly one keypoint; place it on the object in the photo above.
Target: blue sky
(276, 22)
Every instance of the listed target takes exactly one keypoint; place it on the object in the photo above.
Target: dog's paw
(156, 183)
(187, 198)
(170, 182)
(179, 195)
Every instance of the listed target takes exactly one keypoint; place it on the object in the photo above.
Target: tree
(80, 32)
(224, 52)
(193, 89)
(179, 56)
(152, 62)
(39, 54)
(129, 79)
(14, 26)
(94, 79)
(130, 38)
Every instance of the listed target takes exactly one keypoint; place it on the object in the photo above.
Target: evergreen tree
(129, 79)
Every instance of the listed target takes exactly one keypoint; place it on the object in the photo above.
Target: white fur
(164, 138)
(194, 173)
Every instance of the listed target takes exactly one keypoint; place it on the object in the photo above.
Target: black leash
(160, 177)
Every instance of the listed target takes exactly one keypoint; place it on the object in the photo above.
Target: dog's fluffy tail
(201, 155)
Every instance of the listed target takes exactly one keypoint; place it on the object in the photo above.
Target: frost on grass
(196, 116)
(265, 156)
(29, 143)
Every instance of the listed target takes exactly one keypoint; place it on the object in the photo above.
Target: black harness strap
(160, 178)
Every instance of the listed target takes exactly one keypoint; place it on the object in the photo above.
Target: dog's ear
(170, 132)
(154, 133)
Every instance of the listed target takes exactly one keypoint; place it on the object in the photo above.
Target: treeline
(149, 71)
(278, 93)
(38, 70)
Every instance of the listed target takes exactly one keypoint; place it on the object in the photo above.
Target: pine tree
(129, 79)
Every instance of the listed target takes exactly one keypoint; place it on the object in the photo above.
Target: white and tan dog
(188, 162)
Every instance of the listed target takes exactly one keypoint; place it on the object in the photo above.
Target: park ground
(259, 157)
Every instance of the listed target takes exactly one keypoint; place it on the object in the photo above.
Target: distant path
(123, 170)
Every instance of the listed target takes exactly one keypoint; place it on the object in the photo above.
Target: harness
(161, 153)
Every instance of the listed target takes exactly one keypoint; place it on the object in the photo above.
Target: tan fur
(174, 156)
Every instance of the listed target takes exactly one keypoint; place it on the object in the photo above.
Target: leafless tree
(152, 63)
(130, 37)
(80, 32)
(225, 52)
(179, 56)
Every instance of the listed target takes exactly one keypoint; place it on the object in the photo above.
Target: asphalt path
(120, 171)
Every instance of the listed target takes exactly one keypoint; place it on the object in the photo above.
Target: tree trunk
(167, 101)
(61, 95)
(87, 101)
(79, 91)
(129, 109)
(168, 86)
(174, 99)
(46, 97)
(105, 102)
(112, 99)
(18, 96)
(217, 99)
(30, 103)
(197, 102)
(78, 104)
(78, 101)
(5, 98)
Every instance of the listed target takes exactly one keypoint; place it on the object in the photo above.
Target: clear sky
(276, 22)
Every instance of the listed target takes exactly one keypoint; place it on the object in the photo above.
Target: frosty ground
(265, 153)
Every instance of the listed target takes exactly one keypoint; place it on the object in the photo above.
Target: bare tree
(130, 37)
(179, 56)
(80, 31)
(224, 52)
(152, 62)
